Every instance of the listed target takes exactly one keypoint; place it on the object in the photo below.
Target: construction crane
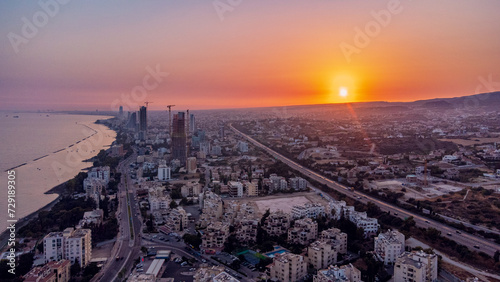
(170, 118)
(147, 103)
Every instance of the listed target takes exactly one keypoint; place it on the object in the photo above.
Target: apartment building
(298, 183)
(235, 189)
(416, 266)
(247, 231)
(344, 273)
(176, 220)
(252, 189)
(336, 238)
(53, 271)
(214, 237)
(212, 208)
(277, 223)
(288, 267)
(304, 232)
(311, 210)
(389, 245)
(321, 254)
(73, 245)
(213, 274)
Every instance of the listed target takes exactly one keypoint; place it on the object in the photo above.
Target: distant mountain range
(487, 101)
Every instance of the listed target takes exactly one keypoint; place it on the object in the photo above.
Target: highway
(128, 243)
(472, 242)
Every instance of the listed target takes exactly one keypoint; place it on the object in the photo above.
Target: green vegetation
(66, 213)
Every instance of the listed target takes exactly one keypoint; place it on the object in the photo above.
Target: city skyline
(203, 55)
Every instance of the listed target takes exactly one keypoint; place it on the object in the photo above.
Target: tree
(75, 269)
(173, 204)
(264, 217)
(496, 256)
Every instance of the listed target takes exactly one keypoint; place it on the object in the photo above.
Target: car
(395, 213)
(204, 260)
(476, 246)
(458, 232)
(449, 234)
(427, 221)
(184, 264)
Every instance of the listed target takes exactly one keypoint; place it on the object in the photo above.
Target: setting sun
(343, 92)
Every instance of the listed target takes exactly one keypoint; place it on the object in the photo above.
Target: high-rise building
(120, 112)
(192, 125)
(164, 172)
(191, 165)
(221, 132)
(132, 121)
(143, 119)
(179, 150)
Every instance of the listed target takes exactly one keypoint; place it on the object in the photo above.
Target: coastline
(58, 190)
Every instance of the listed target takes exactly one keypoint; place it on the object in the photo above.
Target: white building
(298, 183)
(311, 210)
(159, 203)
(416, 266)
(100, 173)
(370, 225)
(235, 189)
(243, 147)
(389, 245)
(73, 245)
(344, 273)
(335, 209)
(164, 172)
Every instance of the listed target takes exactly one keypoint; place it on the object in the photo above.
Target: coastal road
(472, 242)
(130, 224)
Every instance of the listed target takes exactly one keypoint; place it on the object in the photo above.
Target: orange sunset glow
(256, 54)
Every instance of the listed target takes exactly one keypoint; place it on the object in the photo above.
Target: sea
(44, 150)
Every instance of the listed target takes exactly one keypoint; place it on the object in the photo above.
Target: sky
(88, 55)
